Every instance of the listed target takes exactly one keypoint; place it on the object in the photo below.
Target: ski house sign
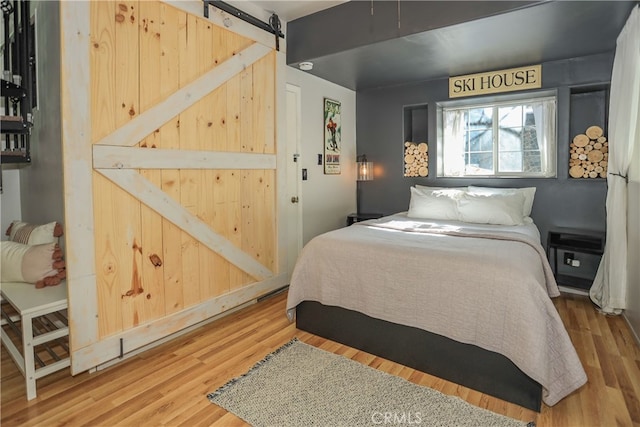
(508, 80)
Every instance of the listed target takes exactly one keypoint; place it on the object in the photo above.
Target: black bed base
(468, 365)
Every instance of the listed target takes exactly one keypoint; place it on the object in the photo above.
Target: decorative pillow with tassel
(34, 234)
(41, 265)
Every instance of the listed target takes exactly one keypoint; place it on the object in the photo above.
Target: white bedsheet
(478, 284)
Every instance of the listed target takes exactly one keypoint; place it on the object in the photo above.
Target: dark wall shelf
(578, 241)
(357, 217)
(415, 123)
(589, 106)
(574, 281)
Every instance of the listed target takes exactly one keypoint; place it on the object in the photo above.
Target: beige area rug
(301, 385)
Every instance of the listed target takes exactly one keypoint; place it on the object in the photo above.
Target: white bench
(35, 317)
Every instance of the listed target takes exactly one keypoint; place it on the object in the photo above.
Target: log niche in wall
(588, 154)
(416, 159)
(416, 149)
(588, 147)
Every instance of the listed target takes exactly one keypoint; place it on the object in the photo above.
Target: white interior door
(294, 177)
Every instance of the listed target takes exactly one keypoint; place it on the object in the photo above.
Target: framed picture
(332, 136)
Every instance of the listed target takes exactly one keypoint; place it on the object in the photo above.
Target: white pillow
(500, 209)
(527, 192)
(434, 204)
(28, 263)
(429, 188)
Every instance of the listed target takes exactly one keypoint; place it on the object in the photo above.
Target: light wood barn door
(180, 217)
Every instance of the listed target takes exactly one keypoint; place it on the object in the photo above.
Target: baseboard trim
(168, 338)
(573, 291)
(634, 333)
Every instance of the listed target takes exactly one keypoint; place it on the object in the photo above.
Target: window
(501, 137)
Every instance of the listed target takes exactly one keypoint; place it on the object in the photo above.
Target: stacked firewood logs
(416, 159)
(588, 154)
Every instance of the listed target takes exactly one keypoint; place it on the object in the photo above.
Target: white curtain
(453, 143)
(544, 114)
(609, 289)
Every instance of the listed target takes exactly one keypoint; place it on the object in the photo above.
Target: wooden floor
(167, 385)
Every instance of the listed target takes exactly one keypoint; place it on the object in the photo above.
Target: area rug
(301, 385)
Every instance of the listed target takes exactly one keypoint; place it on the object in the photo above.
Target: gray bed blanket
(484, 285)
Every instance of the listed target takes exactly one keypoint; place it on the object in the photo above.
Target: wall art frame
(332, 136)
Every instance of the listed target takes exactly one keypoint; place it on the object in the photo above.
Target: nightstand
(574, 240)
(357, 217)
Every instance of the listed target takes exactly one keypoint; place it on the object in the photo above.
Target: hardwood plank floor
(167, 385)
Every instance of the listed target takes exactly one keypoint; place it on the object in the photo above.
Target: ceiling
(351, 46)
(288, 10)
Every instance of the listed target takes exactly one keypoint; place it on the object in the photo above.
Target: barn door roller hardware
(273, 26)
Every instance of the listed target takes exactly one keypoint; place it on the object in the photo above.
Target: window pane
(530, 139)
(509, 137)
(480, 118)
(480, 141)
(510, 161)
(532, 162)
(479, 164)
(510, 116)
(529, 118)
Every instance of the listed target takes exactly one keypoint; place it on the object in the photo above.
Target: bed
(468, 302)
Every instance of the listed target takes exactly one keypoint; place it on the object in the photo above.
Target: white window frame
(547, 139)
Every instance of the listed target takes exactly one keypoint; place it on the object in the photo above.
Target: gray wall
(326, 199)
(632, 313)
(41, 184)
(559, 202)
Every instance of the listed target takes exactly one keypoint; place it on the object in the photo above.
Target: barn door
(178, 214)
